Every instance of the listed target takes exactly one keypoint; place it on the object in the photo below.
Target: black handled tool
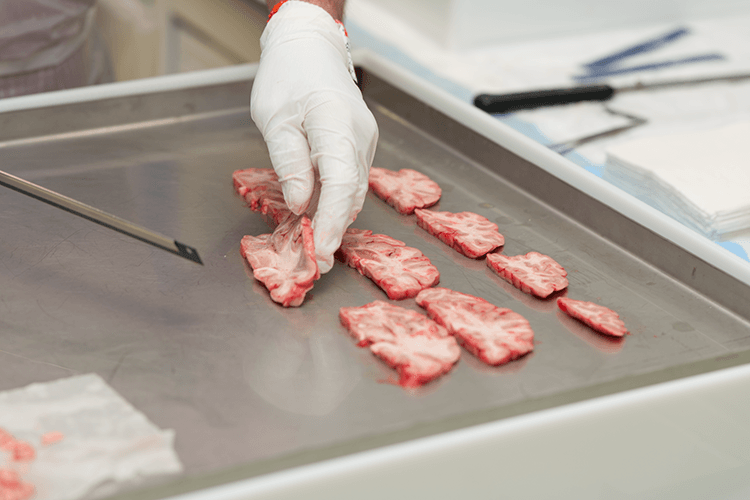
(102, 218)
(505, 103)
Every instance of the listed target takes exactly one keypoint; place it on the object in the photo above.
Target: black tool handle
(504, 103)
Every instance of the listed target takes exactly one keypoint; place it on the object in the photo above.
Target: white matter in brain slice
(416, 346)
(400, 271)
(495, 335)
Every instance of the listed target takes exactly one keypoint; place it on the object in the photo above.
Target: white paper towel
(699, 177)
(107, 446)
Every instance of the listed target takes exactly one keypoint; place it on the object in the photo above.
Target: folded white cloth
(701, 178)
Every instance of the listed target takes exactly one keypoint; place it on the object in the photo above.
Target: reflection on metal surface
(302, 374)
(103, 131)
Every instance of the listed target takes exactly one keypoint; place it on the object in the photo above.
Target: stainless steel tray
(251, 387)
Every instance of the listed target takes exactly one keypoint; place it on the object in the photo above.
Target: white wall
(429, 17)
(462, 24)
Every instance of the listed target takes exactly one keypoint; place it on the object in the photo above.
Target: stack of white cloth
(700, 178)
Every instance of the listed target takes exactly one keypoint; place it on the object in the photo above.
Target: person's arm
(333, 7)
(320, 134)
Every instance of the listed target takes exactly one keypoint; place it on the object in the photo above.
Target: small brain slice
(600, 318)
(261, 189)
(496, 335)
(52, 438)
(532, 273)
(405, 190)
(284, 261)
(400, 271)
(11, 485)
(20, 451)
(417, 347)
(13, 488)
(468, 233)
(6, 439)
(23, 452)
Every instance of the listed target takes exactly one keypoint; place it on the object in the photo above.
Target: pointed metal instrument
(102, 218)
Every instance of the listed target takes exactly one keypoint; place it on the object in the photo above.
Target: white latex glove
(319, 132)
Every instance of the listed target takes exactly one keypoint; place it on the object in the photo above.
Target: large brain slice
(418, 348)
(496, 335)
(401, 271)
(470, 234)
(404, 190)
(532, 273)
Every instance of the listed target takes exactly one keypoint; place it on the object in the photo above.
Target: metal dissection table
(251, 388)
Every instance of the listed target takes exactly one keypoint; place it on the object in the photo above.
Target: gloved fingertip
(324, 265)
(296, 197)
(325, 247)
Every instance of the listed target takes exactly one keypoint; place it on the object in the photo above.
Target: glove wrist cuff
(278, 5)
(339, 25)
(275, 9)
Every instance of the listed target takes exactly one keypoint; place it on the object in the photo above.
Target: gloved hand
(320, 135)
